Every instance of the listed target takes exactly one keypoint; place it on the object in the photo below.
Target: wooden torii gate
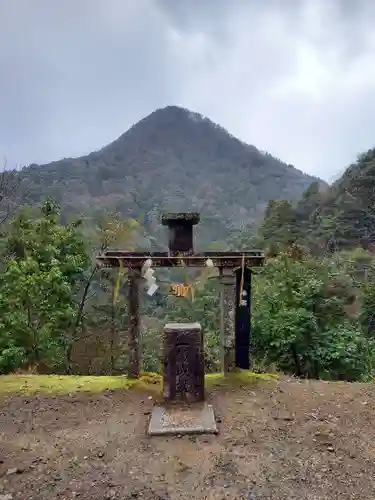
(235, 279)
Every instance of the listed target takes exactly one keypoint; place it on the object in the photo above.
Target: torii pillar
(243, 318)
(227, 319)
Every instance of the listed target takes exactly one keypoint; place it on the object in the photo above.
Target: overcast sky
(293, 77)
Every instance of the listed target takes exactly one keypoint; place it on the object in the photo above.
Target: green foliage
(328, 219)
(301, 324)
(367, 316)
(45, 262)
(278, 224)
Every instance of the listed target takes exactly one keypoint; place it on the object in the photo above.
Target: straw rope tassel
(187, 281)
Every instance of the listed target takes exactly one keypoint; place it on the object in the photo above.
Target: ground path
(286, 440)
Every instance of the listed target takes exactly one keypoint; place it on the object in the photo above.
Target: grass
(70, 384)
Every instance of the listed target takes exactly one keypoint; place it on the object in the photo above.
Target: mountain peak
(174, 123)
(172, 114)
(175, 160)
(176, 112)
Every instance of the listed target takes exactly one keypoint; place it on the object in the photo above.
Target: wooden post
(243, 318)
(134, 330)
(227, 319)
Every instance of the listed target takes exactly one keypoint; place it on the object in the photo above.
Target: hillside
(173, 159)
(335, 218)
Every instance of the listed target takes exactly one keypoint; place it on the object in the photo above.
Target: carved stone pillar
(227, 319)
(134, 320)
(183, 362)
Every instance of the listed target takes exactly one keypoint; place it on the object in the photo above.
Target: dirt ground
(292, 439)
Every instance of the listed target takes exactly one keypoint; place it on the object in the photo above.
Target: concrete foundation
(197, 418)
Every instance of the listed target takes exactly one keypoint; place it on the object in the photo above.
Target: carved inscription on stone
(182, 370)
(183, 362)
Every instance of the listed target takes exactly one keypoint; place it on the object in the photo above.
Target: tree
(109, 231)
(278, 227)
(300, 321)
(45, 265)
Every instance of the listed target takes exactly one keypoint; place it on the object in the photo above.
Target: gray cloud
(294, 78)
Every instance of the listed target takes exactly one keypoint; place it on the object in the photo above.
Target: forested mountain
(335, 218)
(173, 160)
(312, 315)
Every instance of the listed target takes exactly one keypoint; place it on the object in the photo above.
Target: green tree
(278, 227)
(300, 322)
(45, 265)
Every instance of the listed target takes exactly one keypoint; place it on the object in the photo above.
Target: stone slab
(198, 418)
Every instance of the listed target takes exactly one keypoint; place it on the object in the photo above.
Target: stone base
(197, 418)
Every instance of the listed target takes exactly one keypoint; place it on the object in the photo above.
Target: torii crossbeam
(235, 278)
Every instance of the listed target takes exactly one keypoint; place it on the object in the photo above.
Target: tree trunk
(297, 364)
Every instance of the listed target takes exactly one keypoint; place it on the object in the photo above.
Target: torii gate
(235, 279)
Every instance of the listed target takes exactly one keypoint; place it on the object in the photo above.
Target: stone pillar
(134, 320)
(183, 362)
(227, 319)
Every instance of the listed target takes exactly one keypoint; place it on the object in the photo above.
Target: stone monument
(183, 377)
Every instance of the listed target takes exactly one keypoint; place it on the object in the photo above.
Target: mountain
(174, 160)
(336, 218)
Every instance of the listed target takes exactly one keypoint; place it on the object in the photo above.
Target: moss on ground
(66, 384)
(56, 384)
(238, 379)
